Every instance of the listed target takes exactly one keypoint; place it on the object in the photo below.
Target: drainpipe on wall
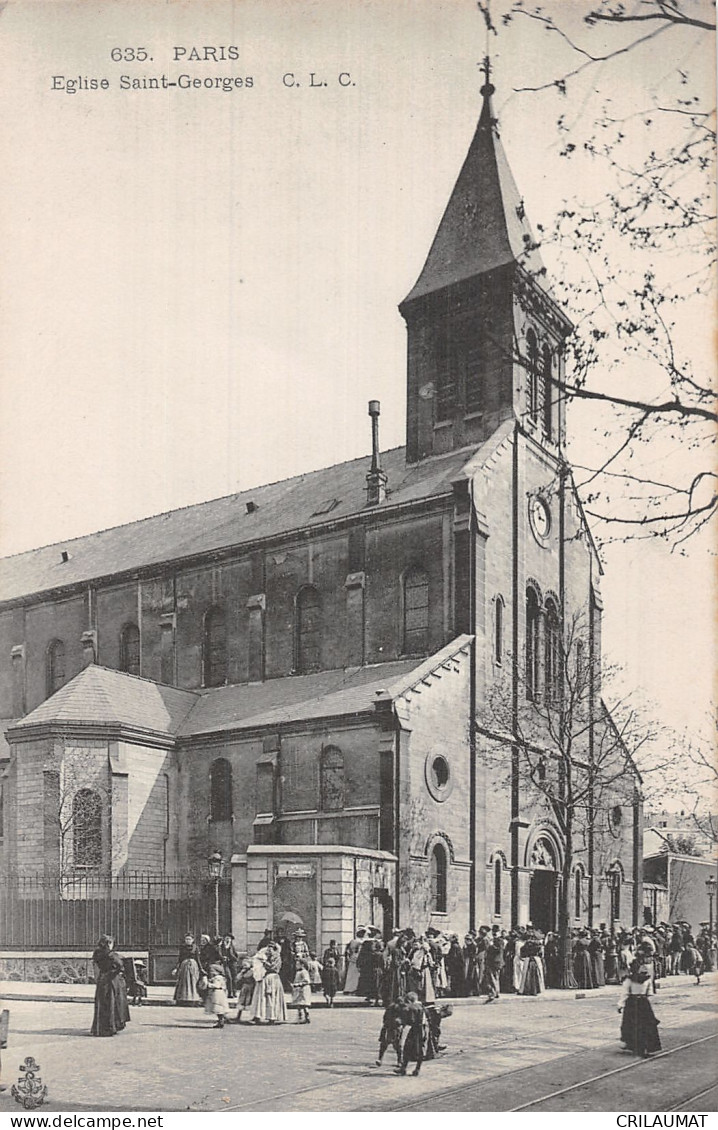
(472, 709)
(515, 682)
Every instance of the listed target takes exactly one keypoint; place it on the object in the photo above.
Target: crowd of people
(408, 973)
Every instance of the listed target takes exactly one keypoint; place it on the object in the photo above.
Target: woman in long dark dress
(582, 968)
(639, 1027)
(595, 949)
(454, 963)
(111, 1009)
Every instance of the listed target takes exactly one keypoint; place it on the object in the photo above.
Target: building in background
(304, 677)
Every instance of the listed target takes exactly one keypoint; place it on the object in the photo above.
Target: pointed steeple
(484, 225)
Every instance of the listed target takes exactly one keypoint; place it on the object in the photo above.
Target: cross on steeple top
(487, 89)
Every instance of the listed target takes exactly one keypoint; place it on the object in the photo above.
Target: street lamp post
(215, 864)
(711, 888)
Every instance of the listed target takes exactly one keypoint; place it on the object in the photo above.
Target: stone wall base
(59, 967)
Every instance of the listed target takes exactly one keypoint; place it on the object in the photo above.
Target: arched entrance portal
(543, 888)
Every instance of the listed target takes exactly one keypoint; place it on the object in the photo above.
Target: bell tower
(484, 334)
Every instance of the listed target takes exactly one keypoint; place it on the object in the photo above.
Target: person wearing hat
(494, 964)
(112, 1012)
(595, 951)
(582, 969)
(639, 1027)
(268, 1001)
(454, 963)
(351, 954)
(230, 961)
(188, 971)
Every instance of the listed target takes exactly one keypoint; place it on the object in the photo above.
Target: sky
(201, 285)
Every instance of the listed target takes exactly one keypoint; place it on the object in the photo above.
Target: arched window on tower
(416, 612)
(533, 375)
(215, 648)
(547, 392)
(499, 630)
(220, 790)
(533, 621)
(438, 867)
(474, 380)
(577, 892)
(308, 630)
(331, 773)
(55, 666)
(130, 649)
(498, 872)
(87, 830)
(553, 666)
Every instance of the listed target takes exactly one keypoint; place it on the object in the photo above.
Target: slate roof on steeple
(484, 225)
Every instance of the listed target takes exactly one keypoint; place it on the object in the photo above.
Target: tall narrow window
(220, 790)
(215, 648)
(87, 829)
(532, 643)
(553, 653)
(581, 680)
(498, 870)
(55, 666)
(308, 630)
(331, 772)
(474, 381)
(438, 868)
(533, 375)
(577, 893)
(445, 379)
(547, 392)
(416, 612)
(130, 649)
(499, 630)
(167, 804)
(616, 895)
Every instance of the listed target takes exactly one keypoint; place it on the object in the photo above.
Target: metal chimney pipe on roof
(374, 412)
(376, 479)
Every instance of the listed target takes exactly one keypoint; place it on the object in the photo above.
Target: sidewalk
(162, 994)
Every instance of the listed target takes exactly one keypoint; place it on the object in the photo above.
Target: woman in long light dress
(268, 1001)
(519, 963)
(351, 954)
(188, 974)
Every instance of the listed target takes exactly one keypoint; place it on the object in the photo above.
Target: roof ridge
(192, 505)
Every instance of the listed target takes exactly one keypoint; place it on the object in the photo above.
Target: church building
(322, 681)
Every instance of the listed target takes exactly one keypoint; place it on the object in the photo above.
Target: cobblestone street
(170, 1059)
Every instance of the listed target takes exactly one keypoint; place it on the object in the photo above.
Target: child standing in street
(330, 980)
(315, 972)
(302, 992)
(216, 1003)
(245, 988)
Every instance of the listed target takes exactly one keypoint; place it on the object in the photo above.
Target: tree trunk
(565, 947)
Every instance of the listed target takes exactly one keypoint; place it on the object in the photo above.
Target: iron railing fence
(141, 910)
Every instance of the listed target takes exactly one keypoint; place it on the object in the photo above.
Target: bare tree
(76, 812)
(639, 256)
(568, 752)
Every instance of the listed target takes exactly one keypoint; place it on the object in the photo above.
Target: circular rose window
(438, 776)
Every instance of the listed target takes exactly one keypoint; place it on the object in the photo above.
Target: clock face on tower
(539, 518)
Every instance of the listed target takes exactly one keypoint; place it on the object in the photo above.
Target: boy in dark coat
(413, 1016)
(330, 980)
(391, 1027)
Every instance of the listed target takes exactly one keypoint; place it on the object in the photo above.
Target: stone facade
(316, 685)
